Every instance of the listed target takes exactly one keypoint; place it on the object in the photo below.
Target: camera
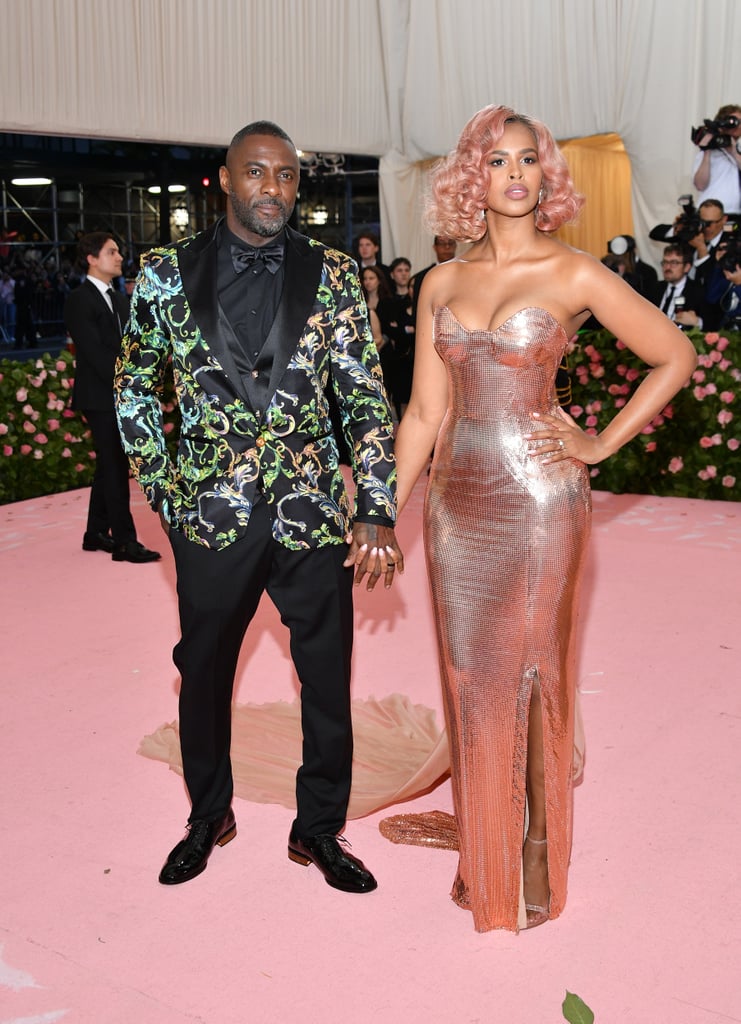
(719, 139)
(730, 245)
(688, 224)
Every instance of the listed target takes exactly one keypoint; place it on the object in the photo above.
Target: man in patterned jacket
(257, 319)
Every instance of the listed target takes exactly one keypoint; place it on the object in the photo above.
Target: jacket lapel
(197, 264)
(302, 276)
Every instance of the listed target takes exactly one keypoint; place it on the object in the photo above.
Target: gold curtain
(600, 168)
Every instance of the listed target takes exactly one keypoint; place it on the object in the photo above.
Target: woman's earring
(482, 214)
(540, 195)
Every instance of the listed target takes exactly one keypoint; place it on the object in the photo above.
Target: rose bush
(46, 447)
(691, 449)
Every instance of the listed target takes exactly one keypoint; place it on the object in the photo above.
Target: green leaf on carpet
(575, 1010)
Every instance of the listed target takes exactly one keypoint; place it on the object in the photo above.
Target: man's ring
(561, 443)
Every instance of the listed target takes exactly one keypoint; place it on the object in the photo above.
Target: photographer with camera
(724, 283)
(716, 170)
(701, 230)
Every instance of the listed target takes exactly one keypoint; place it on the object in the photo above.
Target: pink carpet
(652, 926)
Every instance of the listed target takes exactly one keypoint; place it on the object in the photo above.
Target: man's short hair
(371, 237)
(260, 128)
(714, 202)
(398, 262)
(680, 249)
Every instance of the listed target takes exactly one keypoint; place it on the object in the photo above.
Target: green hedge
(690, 450)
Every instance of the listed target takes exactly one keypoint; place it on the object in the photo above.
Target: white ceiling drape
(393, 78)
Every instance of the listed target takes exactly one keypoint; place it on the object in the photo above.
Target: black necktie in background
(109, 293)
(271, 255)
(667, 299)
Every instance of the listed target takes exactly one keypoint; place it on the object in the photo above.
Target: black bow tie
(271, 255)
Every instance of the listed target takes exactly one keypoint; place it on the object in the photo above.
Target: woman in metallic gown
(507, 509)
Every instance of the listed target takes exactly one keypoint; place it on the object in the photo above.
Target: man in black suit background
(95, 315)
(682, 299)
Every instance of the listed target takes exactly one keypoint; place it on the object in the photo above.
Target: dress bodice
(510, 370)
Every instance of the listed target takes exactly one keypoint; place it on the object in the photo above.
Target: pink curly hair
(459, 183)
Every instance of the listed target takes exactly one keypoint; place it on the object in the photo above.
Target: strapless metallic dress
(505, 537)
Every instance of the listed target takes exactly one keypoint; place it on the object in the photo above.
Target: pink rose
(614, 389)
(711, 337)
(706, 442)
(734, 444)
(79, 467)
(3, 428)
(53, 424)
(632, 375)
(68, 414)
(704, 360)
(38, 454)
(722, 343)
(597, 370)
(41, 439)
(29, 427)
(728, 481)
(698, 376)
(7, 449)
(651, 446)
(593, 472)
(716, 439)
(619, 403)
(21, 394)
(676, 464)
(620, 344)
(727, 397)
(723, 365)
(724, 417)
(712, 472)
(668, 412)
(25, 449)
(576, 410)
(621, 370)
(716, 356)
(648, 429)
(699, 393)
(61, 365)
(66, 453)
(591, 421)
(27, 409)
(597, 406)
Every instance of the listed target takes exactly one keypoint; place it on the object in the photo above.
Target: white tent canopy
(392, 78)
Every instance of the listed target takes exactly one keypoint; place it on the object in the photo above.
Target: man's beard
(257, 224)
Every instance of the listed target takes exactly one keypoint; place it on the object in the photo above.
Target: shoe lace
(331, 835)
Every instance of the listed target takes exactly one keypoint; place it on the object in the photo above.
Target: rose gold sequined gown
(504, 540)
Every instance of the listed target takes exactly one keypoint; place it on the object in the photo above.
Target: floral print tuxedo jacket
(227, 448)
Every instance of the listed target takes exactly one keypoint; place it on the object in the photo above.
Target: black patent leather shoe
(190, 856)
(98, 542)
(133, 551)
(340, 869)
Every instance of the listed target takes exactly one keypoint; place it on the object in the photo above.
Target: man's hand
(374, 550)
(686, 317)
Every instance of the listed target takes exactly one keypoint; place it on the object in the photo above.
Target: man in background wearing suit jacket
(258, 321)
(94, 315)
